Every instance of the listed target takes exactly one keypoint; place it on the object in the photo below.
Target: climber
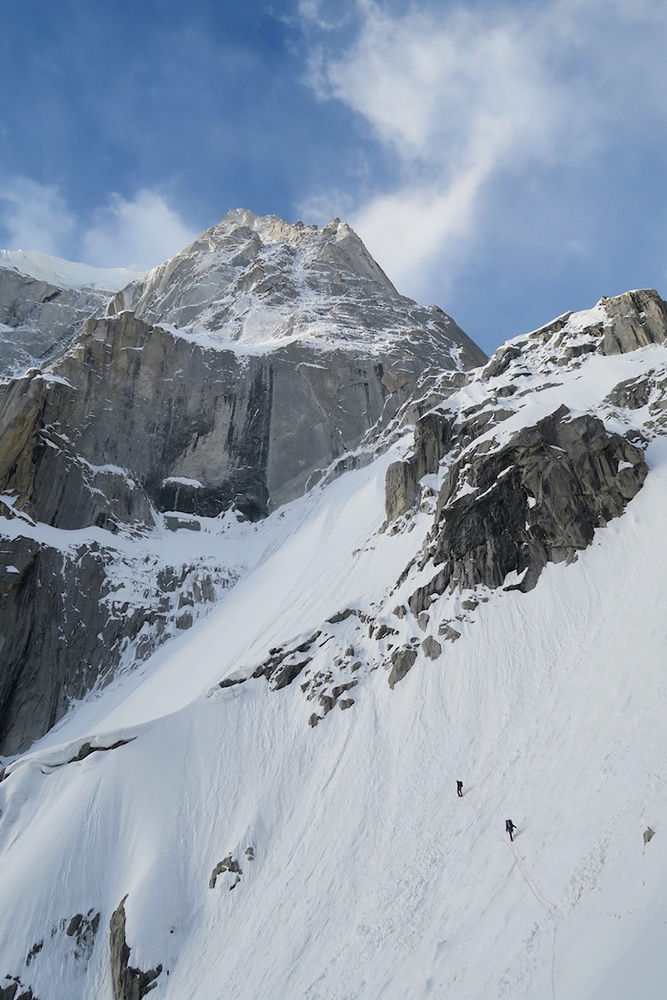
(510, 827)
(459, 789)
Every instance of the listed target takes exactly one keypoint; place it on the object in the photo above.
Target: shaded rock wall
(63, 628)
(111, 427)
(538, 499)
(433, 437)
(38, 318)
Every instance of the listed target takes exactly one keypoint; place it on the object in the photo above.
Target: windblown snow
(346, 865)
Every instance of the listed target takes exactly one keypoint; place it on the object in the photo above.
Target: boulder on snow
(402, 661)
(231, 865)
(431, 647)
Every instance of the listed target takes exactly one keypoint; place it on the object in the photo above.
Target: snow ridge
(67, 273)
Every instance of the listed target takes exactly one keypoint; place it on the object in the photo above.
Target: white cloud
(464, 96)
(137, 234)
(409, 228)
(34, 216)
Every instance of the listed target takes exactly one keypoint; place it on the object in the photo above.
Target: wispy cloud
(136, 233)
(465, 96)
(34, 216)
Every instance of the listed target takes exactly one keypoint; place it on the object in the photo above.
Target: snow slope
(67, 273)
(369, 878)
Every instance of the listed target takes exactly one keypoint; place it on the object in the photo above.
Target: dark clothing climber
(459, 789)
(510, 827)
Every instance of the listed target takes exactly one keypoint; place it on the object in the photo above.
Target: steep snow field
(370, 879)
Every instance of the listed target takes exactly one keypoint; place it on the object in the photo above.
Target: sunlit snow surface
(67, 273)
(370, 878)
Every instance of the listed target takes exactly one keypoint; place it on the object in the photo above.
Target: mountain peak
(254, 282)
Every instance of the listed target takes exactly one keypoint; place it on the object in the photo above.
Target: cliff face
(229, 379)
(295, 347)
(517, 491)
(43, 304)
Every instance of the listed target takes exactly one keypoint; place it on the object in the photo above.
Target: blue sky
(505, 159)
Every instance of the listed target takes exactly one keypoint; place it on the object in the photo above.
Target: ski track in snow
(371, 880)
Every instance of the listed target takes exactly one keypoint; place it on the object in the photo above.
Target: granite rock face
(215, 431)
(509, 502)
(433, 438)
(539, 499)
(616, 325)
(257, 282)
(636, 319)
(41, 315)
(228, 379)
(177, 420)
(67, 618)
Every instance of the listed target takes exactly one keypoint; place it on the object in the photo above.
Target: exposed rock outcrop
(402, 661)
(431, 647)
(128, 983)
(636, 319)
(616, 325)
(38, 318)
(433, 437)
(83, 929)
(538, 499)
(508, 505)
(65, 619)
(11, 988)
(231, 868)
(215, 430)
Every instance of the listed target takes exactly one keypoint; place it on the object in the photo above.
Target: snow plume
(137, 233)
(464, 96)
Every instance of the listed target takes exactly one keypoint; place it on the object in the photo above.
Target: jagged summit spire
(335, 242)
(258, 281)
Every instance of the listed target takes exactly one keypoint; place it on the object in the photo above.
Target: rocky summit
(231, 378)
(283, 555)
